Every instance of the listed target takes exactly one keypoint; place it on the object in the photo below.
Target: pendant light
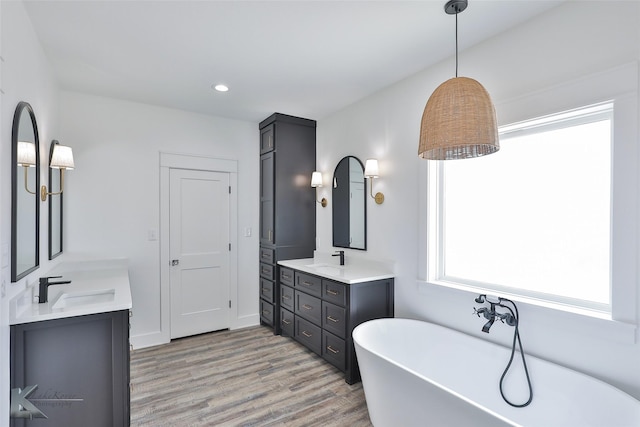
(459, 120)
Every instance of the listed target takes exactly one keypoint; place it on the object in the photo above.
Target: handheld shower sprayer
(480, 298)
(511, 318)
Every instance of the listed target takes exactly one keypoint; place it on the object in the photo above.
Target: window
(534, 219)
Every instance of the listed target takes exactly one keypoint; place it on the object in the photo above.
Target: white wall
(26, 76)
(568, 43)
(112, 196)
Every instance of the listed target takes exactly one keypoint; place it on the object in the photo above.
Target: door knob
(175, 262)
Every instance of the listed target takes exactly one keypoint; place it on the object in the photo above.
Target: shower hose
(516, 338)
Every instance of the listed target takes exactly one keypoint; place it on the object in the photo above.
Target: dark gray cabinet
(287, 202)
(81, 367)
(267, 191)
(321, 314)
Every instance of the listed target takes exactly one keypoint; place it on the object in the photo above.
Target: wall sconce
(27, 159)
(316, 181)
(61, 158)
(371, 172)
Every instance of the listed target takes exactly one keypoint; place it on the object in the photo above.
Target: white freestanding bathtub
(419, 374)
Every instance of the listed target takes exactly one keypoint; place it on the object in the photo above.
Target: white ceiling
(305, 58)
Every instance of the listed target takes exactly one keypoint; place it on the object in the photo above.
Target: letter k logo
(23, 408)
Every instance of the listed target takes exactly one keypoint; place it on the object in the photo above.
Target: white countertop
(350, 273)
(96, 287)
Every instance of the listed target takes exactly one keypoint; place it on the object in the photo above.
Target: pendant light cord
(456, 44)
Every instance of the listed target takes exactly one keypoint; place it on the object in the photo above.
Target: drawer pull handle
(304, 282)
(265, 271)
(286, 322)
(332, 350)
(334, 293)
(307, 307)
(307, 334)
(266, 313)
(284, 276)
(266, 290)
(265, 255)
(334, 320)
(286, 297)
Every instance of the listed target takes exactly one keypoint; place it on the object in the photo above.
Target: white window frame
(619, 85)
(561, 120)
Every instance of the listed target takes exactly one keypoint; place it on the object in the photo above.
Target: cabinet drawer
(266, 312)
(334, 292)
(266, 255)
(266, 289)
(286, 297)
(286, 276)
(308, 335)
(287, 320)
(333, 350)
(267, 138)
(266, 271)
(308, 307)
(308, 283)
(334, 319)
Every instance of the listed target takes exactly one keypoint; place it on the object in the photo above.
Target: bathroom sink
(330, 270)
(324, 265)
(78, 299)
(326, 269)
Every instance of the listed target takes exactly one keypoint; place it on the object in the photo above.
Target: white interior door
(199, 251)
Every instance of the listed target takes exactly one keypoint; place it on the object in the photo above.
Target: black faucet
(44, 284)
(492, 318)
(488, 314)
(491, 314)
(341, 255)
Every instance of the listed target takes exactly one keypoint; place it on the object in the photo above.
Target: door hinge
(229, 189)
(229, 246)
(229, 303)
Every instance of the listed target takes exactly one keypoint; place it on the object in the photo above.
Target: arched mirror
(25, 182)
(349, 205)
(55, 207)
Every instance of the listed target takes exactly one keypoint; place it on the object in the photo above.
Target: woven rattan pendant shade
(459, 122)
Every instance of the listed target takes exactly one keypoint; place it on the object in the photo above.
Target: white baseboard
(246, 321)
(148, 340)
(152, 339)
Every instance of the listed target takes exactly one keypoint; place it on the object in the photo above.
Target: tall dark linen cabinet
(287, 202)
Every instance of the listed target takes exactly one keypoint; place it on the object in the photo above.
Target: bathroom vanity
(321, 303)
(74, 348)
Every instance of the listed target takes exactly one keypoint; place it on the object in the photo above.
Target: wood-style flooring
(246, 377)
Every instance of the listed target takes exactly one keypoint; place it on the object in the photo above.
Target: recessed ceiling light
(221, 88)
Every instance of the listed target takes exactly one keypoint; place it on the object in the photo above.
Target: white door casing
(168, 161)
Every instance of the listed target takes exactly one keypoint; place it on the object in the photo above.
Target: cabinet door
(266, 312)
(267, 232)
(266, 290)
(81, 367)
(308, 307)
(286, 297)
(267, 139)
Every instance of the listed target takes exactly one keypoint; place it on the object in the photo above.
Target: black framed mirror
(349, 205)
(55, 207)
(25, 183)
